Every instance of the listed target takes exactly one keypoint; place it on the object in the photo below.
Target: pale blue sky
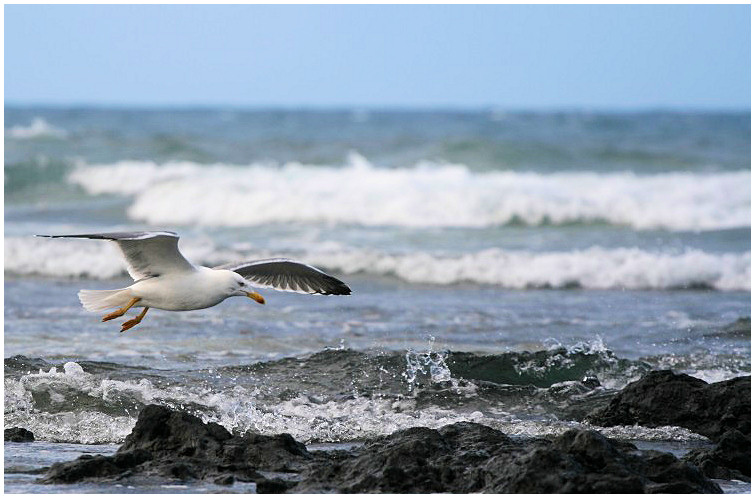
(537, 57)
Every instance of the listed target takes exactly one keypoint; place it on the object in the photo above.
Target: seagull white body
(195, 289)
(165, 280)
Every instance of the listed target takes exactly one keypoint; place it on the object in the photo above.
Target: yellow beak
(256, 297)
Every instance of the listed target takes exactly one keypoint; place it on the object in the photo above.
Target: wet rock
(730, 459)
(582, 461)
(410, 461)
(665, 398)
(225, 480)
(19, 435)
(95, 468)
(171, 445)
(590, 381)
(273, 486)
(471, 458)
(168, 446)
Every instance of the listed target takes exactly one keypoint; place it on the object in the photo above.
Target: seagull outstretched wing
(288, 275)
(147, 254)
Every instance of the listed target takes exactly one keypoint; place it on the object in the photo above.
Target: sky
(505, 56)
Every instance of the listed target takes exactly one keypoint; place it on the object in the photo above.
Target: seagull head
(239, 286)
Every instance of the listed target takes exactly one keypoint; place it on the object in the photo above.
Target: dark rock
(720, 411)
(581, 461)
(225, 480)
(665, 398)
(19, 435)
(471, 458)
(273, 486)
(93, 468)
(410, 461)
(590, 381)
(162, 430)
(730, 459)
(25, 469)
(170, 445)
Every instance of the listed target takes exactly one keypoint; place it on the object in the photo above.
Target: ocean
(565, 245)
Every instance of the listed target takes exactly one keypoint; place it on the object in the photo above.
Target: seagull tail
(98, 300)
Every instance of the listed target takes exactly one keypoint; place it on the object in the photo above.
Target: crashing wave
(345, 395)
(425, 195)
(592, 268)
(39, 128)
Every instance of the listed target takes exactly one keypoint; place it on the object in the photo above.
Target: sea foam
(592, 268)
(48, 403)
(424, 195)
(39, 128)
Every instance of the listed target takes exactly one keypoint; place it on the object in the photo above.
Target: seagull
(165, 280)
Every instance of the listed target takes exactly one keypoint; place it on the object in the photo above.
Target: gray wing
(288, 275)
(147, 254)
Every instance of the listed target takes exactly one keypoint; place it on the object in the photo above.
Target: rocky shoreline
(169, 446)
(720, 411)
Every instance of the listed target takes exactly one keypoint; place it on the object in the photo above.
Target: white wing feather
(147, 254)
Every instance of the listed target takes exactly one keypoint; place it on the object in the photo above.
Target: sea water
(568, 244)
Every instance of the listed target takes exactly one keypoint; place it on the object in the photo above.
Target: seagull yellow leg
(121, 311)
(130, 323)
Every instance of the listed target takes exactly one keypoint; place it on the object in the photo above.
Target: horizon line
(376, 108)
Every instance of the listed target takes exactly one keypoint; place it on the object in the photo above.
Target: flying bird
(165, 280)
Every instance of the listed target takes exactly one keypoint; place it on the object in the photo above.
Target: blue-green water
(623, 237)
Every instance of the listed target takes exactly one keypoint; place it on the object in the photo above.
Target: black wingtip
(339, 288)
(335, 288)
(336, 293)
(342, 290)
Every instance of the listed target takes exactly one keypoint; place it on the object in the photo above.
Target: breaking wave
(425, 195)
(345, 396)
(593, 268)
(39, 128)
